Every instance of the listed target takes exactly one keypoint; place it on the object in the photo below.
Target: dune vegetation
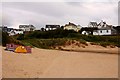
(59, 37)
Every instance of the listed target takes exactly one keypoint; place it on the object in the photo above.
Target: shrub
(93, 43)
(6, 39)
(104, 44)
(45, 43)
(21, 37)
(70, 34)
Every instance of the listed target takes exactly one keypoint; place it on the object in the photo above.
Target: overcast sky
(41, 13)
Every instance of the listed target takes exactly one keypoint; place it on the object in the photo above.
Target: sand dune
(89, 48)
(54, 63)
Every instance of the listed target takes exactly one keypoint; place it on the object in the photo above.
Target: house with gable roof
(99, 29)
(104, 29)
(92, 24)
(72, 26)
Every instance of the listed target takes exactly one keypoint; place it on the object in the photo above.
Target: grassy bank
(50, 36)
(49, 43)
(48, 39)
(95, 40)
(44, 43)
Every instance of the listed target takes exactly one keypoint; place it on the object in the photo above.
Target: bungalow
(5, 29)
(72, 26)
(87, 30)
(27, 27)
(52, 27)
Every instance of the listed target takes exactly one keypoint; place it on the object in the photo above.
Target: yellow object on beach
(20, 49)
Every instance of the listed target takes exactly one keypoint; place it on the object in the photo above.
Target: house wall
(102, 32)
(69, 28)
(11, 33)
(50, 29)
(18, 32)
(72, 28)
(90, 25)
(27, 28)
(22, 28)
(95, 33)
(99, 26)
(84, 33)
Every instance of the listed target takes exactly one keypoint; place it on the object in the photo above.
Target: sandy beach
(43, 63)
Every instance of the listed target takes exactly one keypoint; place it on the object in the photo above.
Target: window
(107, 31)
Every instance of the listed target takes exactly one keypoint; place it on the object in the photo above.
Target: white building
(104, 29)
(85, 33)
(72, 26)
(27, 27)
(99, 29)
(15, 32)
(52, 27)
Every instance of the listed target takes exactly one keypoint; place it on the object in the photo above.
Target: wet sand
(44, 63)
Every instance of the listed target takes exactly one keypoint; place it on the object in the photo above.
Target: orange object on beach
(18, 48)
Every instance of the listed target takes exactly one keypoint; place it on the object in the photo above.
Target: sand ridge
(88, 47)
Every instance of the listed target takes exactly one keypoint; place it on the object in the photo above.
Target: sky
(41, 13)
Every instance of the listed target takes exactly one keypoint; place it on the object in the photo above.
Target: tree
(6, 39)
(42, 29)
(21, 37)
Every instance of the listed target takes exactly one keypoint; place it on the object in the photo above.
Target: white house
(99, 29)
(15, 32)
(72, 26)
(84, 33)
(27, 27)
(52, 27)
(103, 29)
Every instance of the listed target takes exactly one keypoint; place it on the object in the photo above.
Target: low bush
(53, 35)
(6, 39)
(45, 43)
